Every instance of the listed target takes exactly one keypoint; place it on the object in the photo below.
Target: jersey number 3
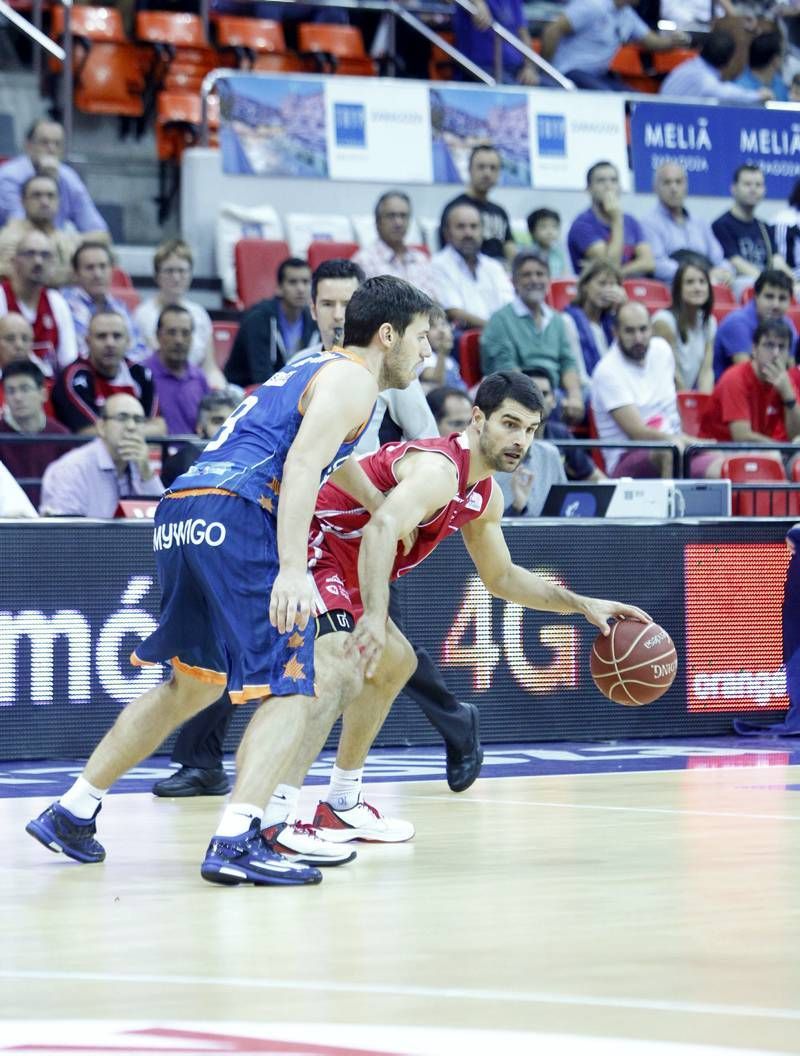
(247, 404)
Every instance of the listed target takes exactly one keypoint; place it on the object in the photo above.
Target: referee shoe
(248, 859)
(301, 843)
(361, 822)
(61, 832)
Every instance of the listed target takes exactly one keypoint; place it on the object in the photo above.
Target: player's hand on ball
(599, 612)
(290, 602)
(366, 643)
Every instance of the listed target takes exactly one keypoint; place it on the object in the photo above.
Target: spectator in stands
(589, 320)
(180, 386)
(525, 490)
(23, 415)
(691, 12)
(28, 292)
(754, 402)
(747, 242)
(787, 227)
(577, 463)
(215, 408)
(90, 480)
(172, 264)
(673, 232)
(389, 254)
(444, 369)
(497, 240)
(689, 327)
(605, 232)
(272, 330)
(333, 283)
(633, 397)
(476, 40)
(40, 202)
(528, 333)
(764, 66)
(471, 286)
(44, 149)
(734, 340)
(16, 339)
(544, 226)
(82, 390)
(93, 266)
(14, 502)
(708, 75)
(452, 409)
(582, 41)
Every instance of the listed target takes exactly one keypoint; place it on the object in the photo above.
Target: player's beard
(494, 456)
(394, 375)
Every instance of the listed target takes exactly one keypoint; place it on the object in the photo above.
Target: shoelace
(369, 806)
(305, 829)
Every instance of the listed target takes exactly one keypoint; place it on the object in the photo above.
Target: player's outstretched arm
(426, 482)
(341, 400)
(487, 547)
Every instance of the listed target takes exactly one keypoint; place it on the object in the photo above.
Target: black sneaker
(248, 859)
(464, 765)
(59, 831)
(194, 781)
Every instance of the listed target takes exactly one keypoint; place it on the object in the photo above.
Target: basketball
(635, 664)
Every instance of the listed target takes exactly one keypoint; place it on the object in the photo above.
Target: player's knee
(188, 696)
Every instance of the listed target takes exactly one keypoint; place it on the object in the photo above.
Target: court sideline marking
(435, 993)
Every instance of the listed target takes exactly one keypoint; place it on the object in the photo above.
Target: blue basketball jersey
(248, 453)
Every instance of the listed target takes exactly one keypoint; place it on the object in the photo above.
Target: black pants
(200, 742)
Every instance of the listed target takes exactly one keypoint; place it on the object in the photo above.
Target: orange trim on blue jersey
(241, 696)
(137, 662)
(187, 492)
(202, 674)
(353, 359)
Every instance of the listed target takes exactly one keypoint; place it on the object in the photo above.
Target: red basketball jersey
(338, 520)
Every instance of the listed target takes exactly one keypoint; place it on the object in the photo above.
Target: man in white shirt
(470, 286)
(633, 397)
(389, 254)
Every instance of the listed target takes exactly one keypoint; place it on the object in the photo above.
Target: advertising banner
(710, 142)
(567, 136)
(462, 118)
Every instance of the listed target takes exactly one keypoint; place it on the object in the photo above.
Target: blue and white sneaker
(248, 859)
(59, 831)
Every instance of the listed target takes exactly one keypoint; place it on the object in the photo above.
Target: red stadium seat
(627, 64)
(725, 310)
(665, 61)
(224, 334)
(562, 292)
(722, 295)
(691, 407)
(649, 292)
(335, 49)
(257, 261)
(257, 43)
(758, 469)
(120, 277)
(129, 297)
(469, 355)
(324, 250)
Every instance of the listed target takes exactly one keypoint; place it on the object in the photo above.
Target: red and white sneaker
(302, 844)
(361, 822)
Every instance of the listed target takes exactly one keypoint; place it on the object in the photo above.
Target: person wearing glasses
(172, 264)
(40, 201)
(90, 480)
(28, 292)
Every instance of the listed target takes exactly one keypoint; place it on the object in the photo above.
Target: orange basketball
(635, 664)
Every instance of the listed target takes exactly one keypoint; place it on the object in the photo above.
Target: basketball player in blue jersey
(230, 542)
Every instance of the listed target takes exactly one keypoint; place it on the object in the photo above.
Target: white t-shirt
(649, 386)
(146, 318)
(67, 350)
(481, 294)
(691, 352)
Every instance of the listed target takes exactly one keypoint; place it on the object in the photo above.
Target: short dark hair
(480, 148)
(539, 374)
(773, 277)
(718, 48)
(599, 165)
(108, 311)
(337, 268)
(391, 194)
(541, 214)
(32, 179)
(383, 299)
(167, 310)
(525, 254)
(456, 204)
(290, 262)
(24, 368)
(508, 385)
(439, 396)
(747, 167)
(217, 398)
(763, 49)
(91, 244)
(776, 328)
(43, 120)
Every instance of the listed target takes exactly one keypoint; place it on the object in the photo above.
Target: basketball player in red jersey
(435, 487)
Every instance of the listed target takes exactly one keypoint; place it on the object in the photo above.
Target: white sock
(345, 788)
(82, 799)
(282, 805)
(236, 819)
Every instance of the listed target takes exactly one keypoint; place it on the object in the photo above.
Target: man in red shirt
(754, 402)
(83, 388)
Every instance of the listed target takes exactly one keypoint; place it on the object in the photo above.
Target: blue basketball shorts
(217, 558)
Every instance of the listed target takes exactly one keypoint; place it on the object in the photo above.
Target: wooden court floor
(655, 907)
